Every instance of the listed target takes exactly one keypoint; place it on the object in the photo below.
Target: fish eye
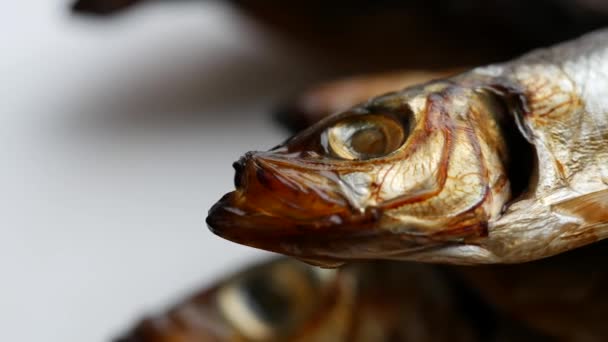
(267, 303)
(364, 137)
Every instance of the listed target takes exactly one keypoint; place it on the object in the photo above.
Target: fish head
(279, 300)
(398, 177)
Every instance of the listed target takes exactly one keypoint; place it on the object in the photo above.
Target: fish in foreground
(506, 163)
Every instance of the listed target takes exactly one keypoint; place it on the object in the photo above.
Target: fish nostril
(263, 177)
(239, 168)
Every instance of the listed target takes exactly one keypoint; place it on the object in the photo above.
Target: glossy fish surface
(505, 163)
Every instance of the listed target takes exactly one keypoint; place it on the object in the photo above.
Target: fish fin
(592, 208)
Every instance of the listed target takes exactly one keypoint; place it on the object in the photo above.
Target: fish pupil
(369, 142)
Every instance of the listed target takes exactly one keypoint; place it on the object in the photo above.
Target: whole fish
(505, 163)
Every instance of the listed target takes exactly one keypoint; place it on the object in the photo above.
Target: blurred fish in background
(286, 300)
(364, 35)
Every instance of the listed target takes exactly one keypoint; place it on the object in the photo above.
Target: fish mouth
(327, 242)
(324, 241)
(285, 210)
(302, 214)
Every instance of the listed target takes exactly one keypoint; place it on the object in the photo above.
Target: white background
(115, 138)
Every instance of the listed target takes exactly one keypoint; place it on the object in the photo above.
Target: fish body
(505, 163)
(565, 117)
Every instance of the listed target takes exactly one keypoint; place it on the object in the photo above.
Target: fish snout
(240, 170)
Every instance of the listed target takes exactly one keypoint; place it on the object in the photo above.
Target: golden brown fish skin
(566, 117)
(447, 193)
